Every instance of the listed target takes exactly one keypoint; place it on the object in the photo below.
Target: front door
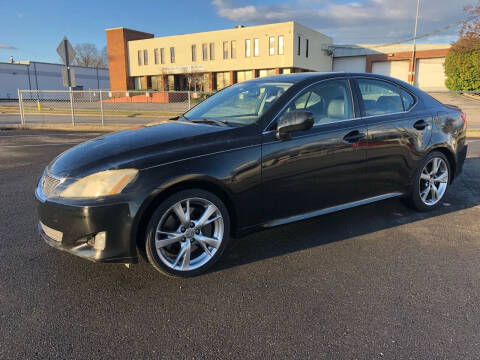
(320, 167)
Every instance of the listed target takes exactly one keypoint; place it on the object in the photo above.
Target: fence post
(20, 108)
(101, 107)
(71, 106)
(189, 105)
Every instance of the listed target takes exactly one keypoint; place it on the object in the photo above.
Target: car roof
(308, 77)
(299, 77)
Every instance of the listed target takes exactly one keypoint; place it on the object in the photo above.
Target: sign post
(66, 52)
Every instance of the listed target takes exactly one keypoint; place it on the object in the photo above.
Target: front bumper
(75, 225)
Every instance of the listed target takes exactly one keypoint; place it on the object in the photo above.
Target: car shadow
(463, 194)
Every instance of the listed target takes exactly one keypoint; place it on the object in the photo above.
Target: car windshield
(240, 104)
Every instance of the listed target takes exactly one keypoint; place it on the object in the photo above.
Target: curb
(472, 97)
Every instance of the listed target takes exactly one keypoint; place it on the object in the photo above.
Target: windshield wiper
(211, 121)
(179, 118)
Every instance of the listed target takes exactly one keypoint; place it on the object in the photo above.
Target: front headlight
(104, 183)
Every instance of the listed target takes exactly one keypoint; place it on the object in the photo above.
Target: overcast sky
(32, 29)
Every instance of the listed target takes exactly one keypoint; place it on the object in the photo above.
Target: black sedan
(257, 154)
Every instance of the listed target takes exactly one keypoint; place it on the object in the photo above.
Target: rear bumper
(72, 228)
(461, 156)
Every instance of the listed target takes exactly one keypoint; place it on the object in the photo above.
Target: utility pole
(413, 73)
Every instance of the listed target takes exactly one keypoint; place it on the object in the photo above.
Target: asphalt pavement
(376, 282)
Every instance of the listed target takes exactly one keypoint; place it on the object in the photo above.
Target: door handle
(353, 137)
(420, 125)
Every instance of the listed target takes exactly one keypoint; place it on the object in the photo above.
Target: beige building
(215, 59)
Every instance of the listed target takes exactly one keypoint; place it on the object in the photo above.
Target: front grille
(49, 184)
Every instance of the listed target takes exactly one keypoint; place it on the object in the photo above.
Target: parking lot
(376, 282)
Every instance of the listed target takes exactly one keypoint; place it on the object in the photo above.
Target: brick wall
(117, 51)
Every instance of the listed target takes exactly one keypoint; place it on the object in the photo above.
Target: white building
(396, 61)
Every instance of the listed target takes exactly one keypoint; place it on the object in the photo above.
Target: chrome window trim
(391, 83)
(265, 131)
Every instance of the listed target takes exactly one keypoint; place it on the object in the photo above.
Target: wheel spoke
(209, 211)
(442, 177)
(186, 256)
(181, 253)
(174, 237)
(207, 240)
(425, 176)
(211, 220)
(178, 210)
(435, 195)
(205, 248)
(435, 166)
(425, 193)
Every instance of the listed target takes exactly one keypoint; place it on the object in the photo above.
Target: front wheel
(431, 182)
(187, 233)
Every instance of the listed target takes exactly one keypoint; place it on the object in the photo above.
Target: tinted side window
(380, 97)
(408, 100)
(329, 101)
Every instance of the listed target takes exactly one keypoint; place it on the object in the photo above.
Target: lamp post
(414, 65)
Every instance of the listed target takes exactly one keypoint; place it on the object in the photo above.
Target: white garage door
(349, 64)
(397, 69)
(430, 74)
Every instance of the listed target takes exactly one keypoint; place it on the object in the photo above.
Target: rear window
(408, 100)
(380, 97)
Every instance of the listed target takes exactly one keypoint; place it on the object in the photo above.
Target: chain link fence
(103, 107)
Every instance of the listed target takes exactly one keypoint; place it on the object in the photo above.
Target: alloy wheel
(189, 234)
(433, 181)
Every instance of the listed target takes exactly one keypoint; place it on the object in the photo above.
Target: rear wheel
(431, 182)
(187, 233)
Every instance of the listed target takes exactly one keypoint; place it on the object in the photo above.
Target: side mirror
(296, 120)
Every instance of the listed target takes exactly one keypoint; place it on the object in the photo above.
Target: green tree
(462, 64)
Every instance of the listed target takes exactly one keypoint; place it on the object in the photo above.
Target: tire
(423, 197)
(187, 245)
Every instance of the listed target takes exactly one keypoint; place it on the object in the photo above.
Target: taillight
(464, 118)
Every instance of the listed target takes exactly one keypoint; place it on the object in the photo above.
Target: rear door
(399, 130)
(319, 167)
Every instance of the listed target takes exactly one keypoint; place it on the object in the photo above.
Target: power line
(439, 30)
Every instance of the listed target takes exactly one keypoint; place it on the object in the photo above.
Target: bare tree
(88, 55)
(471, 25)
(195, 81)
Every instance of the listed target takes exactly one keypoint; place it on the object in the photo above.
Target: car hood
(138, 148)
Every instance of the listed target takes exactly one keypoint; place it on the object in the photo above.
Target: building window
(247, 48)
(137, 81)
(212, 51)
(145, 57)
(299, 41)
(139, 53)
(233, 49)
(225, 49)
(280, 45)
(306, 48)
(271, 45)
(172, 55)
(194, 53)
(204, 52)
(162, 56)
(255, 47)
(155, 56)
